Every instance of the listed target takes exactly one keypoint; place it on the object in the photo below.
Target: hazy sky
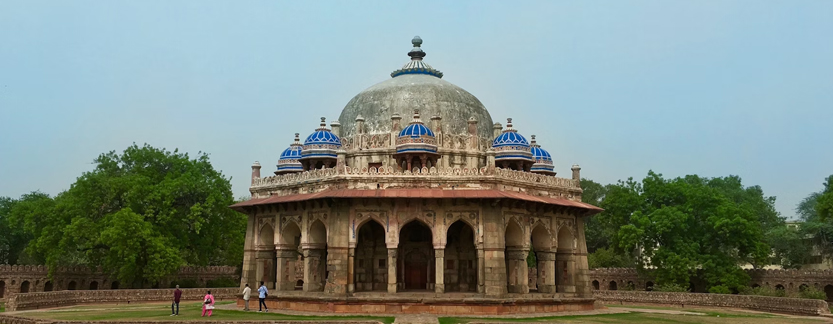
(620, 87)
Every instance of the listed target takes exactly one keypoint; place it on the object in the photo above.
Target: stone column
(439, 257)
(351, 274)
(481, 270)
(564, 267)
(546, 272)
(392, 270)
(249, 273)
(286, 259)
(517, 270)
(314, 269)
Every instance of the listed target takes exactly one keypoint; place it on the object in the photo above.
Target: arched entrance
(2, 289)
(460, 257)
(24, 287)
(828, 290)
(370, 264)
(417, 256)
(515, 254)
(595, 285)
(93, 285)
(48, 286)
(288, 256)
(114, 285)
(564, 262)
(71, 285)
(266, 256)
(315, 257)
(612, 285)
(649, 286)
(542, 246)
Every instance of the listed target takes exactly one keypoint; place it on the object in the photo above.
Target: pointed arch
(317, 232)
(460, 257)
(514, 234)
(566, 239)
(290, 234)
(362, 218)
(267, 235)
(370, 264)
(541, 238)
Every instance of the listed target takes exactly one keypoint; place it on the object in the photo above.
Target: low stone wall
(74, 297)
(760, 303)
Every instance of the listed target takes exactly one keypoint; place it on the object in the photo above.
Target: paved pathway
(416, 319)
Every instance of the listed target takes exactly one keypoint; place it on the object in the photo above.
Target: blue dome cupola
(416, 65)
(319, 149)
(416, 145)
(541, 158)
(289, 160)
(512, 150)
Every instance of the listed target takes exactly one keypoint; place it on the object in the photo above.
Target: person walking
(208, 304)
(177, 297)
(262, 293)
(247, 293)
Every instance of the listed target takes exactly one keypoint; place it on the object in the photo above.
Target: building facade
(414, 188)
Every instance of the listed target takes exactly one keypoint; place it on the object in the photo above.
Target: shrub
(812, 293)
(222, 283)
(670, 287)
(720, 289)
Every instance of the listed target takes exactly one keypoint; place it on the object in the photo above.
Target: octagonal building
(413, 191)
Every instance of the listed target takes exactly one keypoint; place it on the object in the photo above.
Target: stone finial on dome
(416, 116)
(509, 125)
(416, 53)
(323, 123)
(532, 141)
(416, 65)
(297, 139)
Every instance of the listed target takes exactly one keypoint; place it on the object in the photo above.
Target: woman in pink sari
(208, 304)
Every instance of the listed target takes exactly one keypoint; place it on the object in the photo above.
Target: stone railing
(790, 279)
(347, 172)
(74, 297)
(760, 303)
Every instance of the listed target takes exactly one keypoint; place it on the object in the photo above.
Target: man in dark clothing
(177, 296)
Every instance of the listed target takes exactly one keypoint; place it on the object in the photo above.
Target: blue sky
(620, 87)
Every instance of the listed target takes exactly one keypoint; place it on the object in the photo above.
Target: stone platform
(423, 303)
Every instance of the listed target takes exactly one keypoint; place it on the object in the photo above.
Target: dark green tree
(693, 225)
(18, 220)
(141, 215)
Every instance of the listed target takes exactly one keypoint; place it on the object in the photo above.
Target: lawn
(708, 317)
(187, 311)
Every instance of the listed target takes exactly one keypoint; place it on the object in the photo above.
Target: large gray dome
(415, 86)
(404, 93)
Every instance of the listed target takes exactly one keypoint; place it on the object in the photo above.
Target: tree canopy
(139, 215)
(682, 227)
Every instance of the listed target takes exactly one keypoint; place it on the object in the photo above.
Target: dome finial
(416, 53)
(532, 142)
(297, 139)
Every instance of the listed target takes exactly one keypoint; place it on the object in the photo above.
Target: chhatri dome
(416, 85)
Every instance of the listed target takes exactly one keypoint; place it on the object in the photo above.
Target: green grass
(187, 311)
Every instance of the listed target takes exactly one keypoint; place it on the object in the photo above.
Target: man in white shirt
(247, 293)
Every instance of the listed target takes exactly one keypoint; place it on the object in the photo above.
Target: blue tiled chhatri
(416, 138)
(289, 160)
(321, 144)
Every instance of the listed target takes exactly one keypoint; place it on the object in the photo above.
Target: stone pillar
(314, 269)
(255, 171)
(580, 266)
(392, 269)
(351, 275)
(335, 127)
(286, 259)
(481, 271)
(395, 127)
(497, 129)
(517, 270)
(576, 172)
(439, 257)
(249, 273)
(546, 272)
(564, 268)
